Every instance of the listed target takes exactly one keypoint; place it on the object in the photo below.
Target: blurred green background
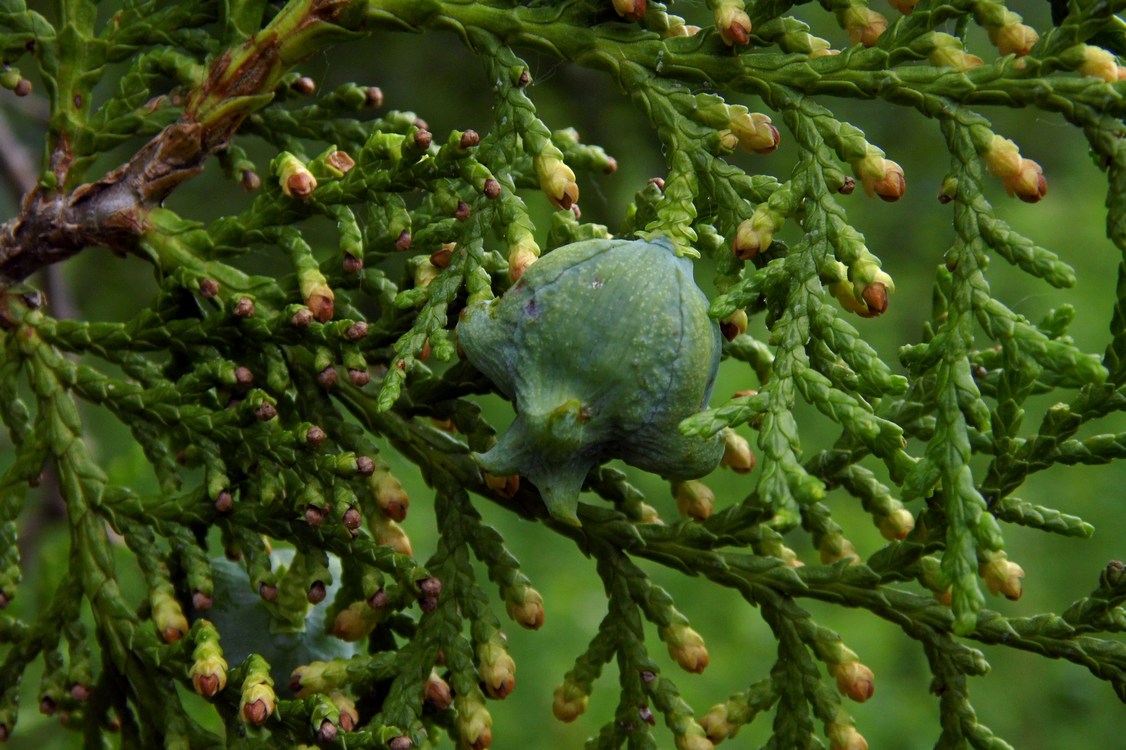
(1034, 703)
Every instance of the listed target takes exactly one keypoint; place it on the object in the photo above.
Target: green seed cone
(605, 346)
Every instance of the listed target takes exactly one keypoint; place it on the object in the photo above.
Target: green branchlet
(262, 402)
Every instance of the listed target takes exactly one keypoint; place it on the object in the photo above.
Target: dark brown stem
(113, 211)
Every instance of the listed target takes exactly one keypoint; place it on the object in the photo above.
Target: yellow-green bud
(753, 130)
(570, 702)
(686, 647)
(1002, 575)
(864, 25)
(853, 678)
(294, 177)
(355, 622)
(1099, 63)
(880, 176)
(258, 703)
(833, 547)
(843, 736)
(1015, 38)
(897, 524)
(694, 738)
(437, 692)
(168, 616)
(755, 234)
(526, 608)
(390, 495)
(732, 22)
(948, 52)
(737, 454)
(349, 716)
(389, 534)
(1028, 183)
(631, 10)
(497, 669)
(557, 181)
(474, 723)
(694, 499)
(716, 725)
(1002, 158)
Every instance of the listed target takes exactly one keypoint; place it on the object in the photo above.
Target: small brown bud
(356, 331)
(847, 186)
(23, 88)
(734, 325)
(244, 308)
(314, 516)
(892, 187)
(875, 295)
(694, 499)
(208, 288)
(437, 692)
(316, 593)
(47, 705)
(207, 685)
(322, 304)
(630, 10)
(304, 85)
(422, 139)
(686, 647)
(400, 743)
(378, 600)
(404, 241)
(328, 731)
(300, 184)
(358, 378)
(491, 189)
(268, 591)
(250, 181)
(523, 79)
(430, 586)
(256, 713)
(265, 412)
(733, 23)
(528, 610)
(737, 453)
(224, 502)
(365, 466)
(340, 161)
(315, 436)
(469, 139)
(611, 165)
(463, 212)
(352, 264)
(201, 601)
(1028, 183)
(352, 519)
(327, 377)
(854, 679)
(80, 692)
(373, 97)
(243, 377)
(659, 182)
(302, 318)
(441, 257)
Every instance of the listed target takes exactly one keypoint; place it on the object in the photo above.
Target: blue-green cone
(604, 346)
